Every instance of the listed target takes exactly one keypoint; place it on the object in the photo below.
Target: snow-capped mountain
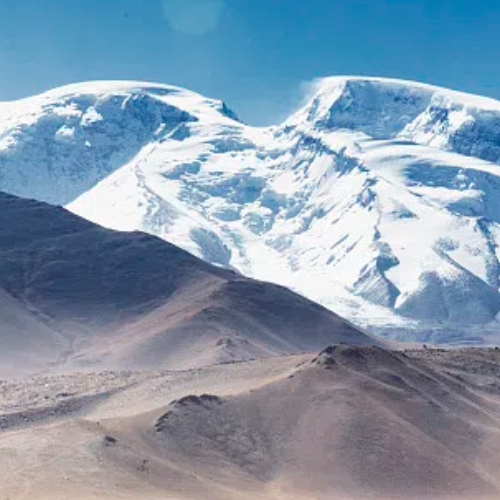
(58, 145)
(378, 198)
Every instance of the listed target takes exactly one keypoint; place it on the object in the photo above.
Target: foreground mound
(354, 423)
(357, 422)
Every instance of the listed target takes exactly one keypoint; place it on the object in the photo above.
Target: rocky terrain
(351, 423)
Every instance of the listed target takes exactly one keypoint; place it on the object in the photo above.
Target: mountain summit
(377, 199)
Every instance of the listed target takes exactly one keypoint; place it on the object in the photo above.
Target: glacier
(377, 198)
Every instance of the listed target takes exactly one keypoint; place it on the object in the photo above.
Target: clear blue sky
(252, 53)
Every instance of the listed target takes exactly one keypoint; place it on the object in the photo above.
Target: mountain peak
(101, 89)
(65, 141)
(382, 107)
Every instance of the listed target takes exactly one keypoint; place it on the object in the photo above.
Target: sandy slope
(353, 423)
(19, 328)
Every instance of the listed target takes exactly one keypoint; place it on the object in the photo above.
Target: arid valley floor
(351, 423)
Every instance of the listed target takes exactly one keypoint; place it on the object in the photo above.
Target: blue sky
(253, 53)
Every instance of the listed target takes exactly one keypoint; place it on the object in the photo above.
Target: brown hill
(130, 300)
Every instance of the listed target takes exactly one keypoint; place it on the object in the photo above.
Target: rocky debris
(479, 368)
(326, 358)
(110, 441)
(40, 399)
(355, 355)
(161, 423)
(205, 400)
(67, 408)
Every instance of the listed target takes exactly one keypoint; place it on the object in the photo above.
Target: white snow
(379, 198)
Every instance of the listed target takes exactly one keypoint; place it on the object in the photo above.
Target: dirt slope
(129, 300)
